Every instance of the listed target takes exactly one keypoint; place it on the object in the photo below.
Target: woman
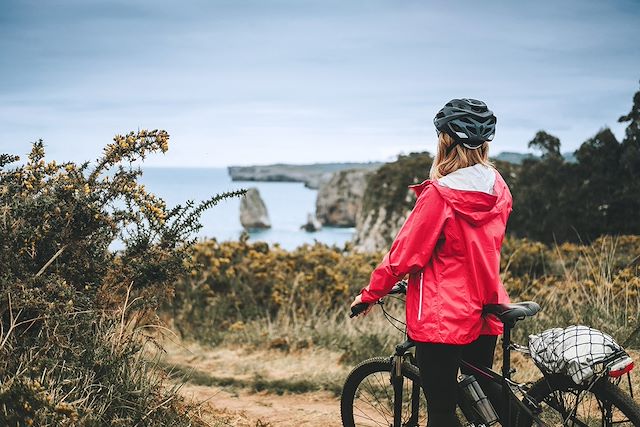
(450, 247)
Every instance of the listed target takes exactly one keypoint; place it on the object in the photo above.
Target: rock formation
(312, 175)
(312, 224)
(388, 201)
(253, 212)
(375, 230)
(340, 199)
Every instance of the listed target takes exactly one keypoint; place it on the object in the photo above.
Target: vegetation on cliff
(387, 200)
(596, 195)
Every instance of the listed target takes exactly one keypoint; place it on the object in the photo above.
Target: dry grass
(596, 285)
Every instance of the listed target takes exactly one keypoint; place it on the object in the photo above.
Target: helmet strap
(452, 146)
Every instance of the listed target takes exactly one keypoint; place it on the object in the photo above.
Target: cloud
(288, 81)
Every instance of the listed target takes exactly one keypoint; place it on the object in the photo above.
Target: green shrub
(240, 281)
(522, 257)
(73, 314)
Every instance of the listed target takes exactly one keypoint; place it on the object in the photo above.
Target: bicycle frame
(504, 380)
(509, 398)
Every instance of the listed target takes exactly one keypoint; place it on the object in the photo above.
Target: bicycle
(386, 391)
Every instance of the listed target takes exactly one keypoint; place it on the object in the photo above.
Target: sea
(288, 204)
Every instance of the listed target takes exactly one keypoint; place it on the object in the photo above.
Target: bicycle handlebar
(399, 288)
(358, 308)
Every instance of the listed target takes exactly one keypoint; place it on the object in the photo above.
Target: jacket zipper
(420, 306)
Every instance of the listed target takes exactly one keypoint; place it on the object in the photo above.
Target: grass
(332, 329)
(257, 383)
(303, 347)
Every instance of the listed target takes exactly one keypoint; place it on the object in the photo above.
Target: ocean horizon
(287, 203)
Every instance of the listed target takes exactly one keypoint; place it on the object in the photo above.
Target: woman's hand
(358, 300)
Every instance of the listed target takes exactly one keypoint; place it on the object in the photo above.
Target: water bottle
(478, 400)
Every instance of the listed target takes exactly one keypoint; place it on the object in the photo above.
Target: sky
(243, 82)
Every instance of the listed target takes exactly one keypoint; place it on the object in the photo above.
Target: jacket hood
(475, 207)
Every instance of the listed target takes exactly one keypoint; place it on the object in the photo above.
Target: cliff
(313, 175)
(339, 200)
(387, 201)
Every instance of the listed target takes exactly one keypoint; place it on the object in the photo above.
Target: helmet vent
(467, 120)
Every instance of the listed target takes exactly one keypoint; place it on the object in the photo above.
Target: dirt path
(241, 387)
(271, 388)
(247, 409)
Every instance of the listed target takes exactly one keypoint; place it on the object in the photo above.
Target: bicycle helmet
(468, 121)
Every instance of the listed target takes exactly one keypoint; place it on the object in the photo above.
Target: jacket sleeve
(413, 246)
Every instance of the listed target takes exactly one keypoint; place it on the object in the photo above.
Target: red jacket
(450, 247)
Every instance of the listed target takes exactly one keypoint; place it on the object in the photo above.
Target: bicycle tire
(354, 383)
(551, 391)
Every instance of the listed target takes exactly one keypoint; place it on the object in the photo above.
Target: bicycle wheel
(564, 403)
(367, 396)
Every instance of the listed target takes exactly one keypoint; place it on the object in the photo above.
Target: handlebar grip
(358, 308)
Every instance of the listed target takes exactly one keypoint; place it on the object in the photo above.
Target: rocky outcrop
(315, 181)
(253, 212)
(375, 230)
(340, 199)
(387, 201)
(312, 224)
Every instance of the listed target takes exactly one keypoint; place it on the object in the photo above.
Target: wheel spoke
(567, 404)
(386, 392)
(371, 402)
(364, 415)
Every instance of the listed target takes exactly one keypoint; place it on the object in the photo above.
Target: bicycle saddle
(510, 313)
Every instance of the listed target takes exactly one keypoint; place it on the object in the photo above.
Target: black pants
(439, 365)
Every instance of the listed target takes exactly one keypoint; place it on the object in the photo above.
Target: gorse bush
(241, 280)
(255, 294)
(74, 316)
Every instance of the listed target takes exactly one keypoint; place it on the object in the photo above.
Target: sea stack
(312, 224)
(253, 212)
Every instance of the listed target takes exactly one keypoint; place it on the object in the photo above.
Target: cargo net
(580, 352)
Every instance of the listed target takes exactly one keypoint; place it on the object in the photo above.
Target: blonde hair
(459, 157)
